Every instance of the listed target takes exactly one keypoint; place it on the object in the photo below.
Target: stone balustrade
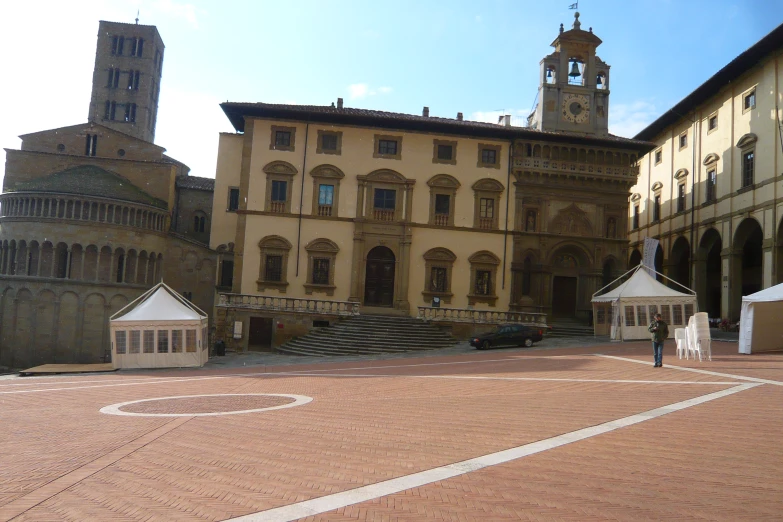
(288, 304)
(577, 167)
(464, 315)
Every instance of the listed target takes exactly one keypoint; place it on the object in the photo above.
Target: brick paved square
(542, 434)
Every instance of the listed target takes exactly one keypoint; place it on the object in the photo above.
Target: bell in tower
(578, 100)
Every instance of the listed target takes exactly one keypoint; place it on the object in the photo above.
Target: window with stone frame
(273, 270)
(748, 167)
(658, 156)
(443, 195)
(711, 191)
(329, 142)
(438, 267)
(681, 197)
(384, 195)
(321, 265)
(749, 100)
(657, 208)
(487, 194)
(712, 122)
(387, 147)
(444, 152)
(488, 156)
(233, 199)
(279, 184)
(483, 278)
(683, 140)
(747, 146)
(326, 190)
(636, 216)
(283, 138)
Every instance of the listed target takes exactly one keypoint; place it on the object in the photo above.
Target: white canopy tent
(160, 329)
(762, 312)
(625, 312)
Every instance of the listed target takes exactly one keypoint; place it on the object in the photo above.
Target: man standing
(660, 331)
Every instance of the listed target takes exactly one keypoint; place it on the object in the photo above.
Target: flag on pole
(648, 257)
(574, 6)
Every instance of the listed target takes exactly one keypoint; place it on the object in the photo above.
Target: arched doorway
(679, 264)
(635, 259)
(568, 288)
(379, 277)
(659, 262)
(708, 273)
(747, 269)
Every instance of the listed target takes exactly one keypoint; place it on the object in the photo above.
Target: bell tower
(573, 89)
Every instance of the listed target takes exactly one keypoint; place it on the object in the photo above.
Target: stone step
(370, 334)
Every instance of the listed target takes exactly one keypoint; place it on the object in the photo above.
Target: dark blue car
(509, 335)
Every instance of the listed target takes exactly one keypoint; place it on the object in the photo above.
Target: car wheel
(528, 342)
(485, 345)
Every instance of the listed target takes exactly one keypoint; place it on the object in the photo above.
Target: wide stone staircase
(369, 334)
(561, 327)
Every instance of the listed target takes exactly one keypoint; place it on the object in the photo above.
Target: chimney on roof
(507, 121)
(339, 103)
(426, 112)
(459, 116)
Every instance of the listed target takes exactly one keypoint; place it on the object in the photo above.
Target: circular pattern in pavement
(206, 405)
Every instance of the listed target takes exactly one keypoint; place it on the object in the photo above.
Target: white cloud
(627, 119)
(179, 10)
(518, 116)
(358, 91)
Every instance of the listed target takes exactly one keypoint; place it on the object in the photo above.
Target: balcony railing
(486, 223)
(441, 219)
(577, 167)
(463, 315)
(278, 206)
(383, 215)
(325, 210)
(288, 304)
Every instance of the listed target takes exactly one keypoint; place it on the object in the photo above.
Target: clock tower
(573, 92)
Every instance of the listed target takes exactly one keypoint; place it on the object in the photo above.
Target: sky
(477, 57)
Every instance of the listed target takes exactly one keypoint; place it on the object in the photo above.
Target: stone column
(357, 266)
(81, 274)
(767, 275)
(731, 275)
(68, 265)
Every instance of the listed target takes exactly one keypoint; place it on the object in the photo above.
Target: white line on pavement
(488, 378)
(695, 370)
(389, 487)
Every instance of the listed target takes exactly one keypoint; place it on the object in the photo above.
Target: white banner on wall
(648, 257)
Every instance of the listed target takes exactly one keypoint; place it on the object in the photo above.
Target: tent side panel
(766, 320)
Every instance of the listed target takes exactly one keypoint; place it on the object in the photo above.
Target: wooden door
(379, 277)
(564, 296)
(260, 337)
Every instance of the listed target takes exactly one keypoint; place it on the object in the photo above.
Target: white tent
(160, 329)
(762, 312)
(625, 312)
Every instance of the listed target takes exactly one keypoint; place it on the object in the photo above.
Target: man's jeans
(658, 352)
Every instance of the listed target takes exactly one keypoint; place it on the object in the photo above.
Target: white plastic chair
(681, 340)
(700, 338)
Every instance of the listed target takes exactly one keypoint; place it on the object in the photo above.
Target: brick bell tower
(573, 89)
(126, 78)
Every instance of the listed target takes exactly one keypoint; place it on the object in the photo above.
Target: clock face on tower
(576, 108)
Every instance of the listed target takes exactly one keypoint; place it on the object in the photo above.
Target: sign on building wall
(648, 257)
